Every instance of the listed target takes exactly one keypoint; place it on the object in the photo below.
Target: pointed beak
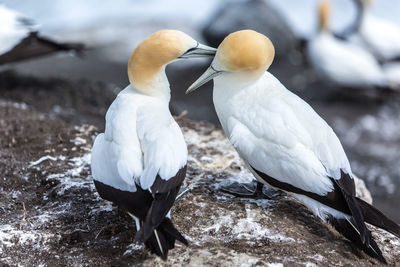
(209, 74)
(199, 51)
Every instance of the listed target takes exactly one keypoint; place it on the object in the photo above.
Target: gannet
(340, 62)
(380, 36)
(19, 39)
(139, 162)
(284, 142)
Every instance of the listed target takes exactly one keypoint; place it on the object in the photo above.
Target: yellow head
(245, 50)
(324, 14)
(159, 49)
(246, 53)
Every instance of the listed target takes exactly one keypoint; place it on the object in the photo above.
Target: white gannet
(19, 39)
(139, 162)
(392, 72)
(284, 142)
(380, 36)
(340, 62)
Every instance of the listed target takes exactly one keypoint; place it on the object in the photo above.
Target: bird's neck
(363, 13)
(229, 89)
(234, 82)
(156, 84)
(324, 19)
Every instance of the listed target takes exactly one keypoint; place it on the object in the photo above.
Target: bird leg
(269, 192)
(253, 189)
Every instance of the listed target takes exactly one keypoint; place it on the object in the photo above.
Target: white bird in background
(284, 142)
(19, 39)
(392, 72)
(139, 162)
(380, 36)
(340, 62)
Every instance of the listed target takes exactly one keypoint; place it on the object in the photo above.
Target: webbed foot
(252, 189)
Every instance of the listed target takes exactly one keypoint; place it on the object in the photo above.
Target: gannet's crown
(155, 51)
(324, 13)
(367, 2)
(245, 50)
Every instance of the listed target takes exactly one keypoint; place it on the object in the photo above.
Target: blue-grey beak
(199, 51)
(208, 75)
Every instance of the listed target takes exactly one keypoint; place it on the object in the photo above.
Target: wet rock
(51, 215)
(76, 102)
(257, 15)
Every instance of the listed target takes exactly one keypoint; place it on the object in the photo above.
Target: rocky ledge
(50, 214)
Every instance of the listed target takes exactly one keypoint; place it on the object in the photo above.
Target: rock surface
(50, 214)
(257, 15)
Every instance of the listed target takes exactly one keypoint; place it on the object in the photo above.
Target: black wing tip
(183, 240)
(161, 239)
(377, 253)
(158, 245)
(164, 257)
(169, 227)
(347, 187)
(348, 230)
(145, 233)
(375, 217)
(164, 186)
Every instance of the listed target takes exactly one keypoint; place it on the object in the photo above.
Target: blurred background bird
(342, 63)
(381, 36)
(20, 39)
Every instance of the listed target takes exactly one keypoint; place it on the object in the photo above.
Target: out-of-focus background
(78, 89)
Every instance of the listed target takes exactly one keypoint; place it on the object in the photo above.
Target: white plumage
(279, 134)
(380, 36)
(14, 28)
(19, 39)
(284, 142)
(344, 64)
(392, 73)
(140, 137)
(139, 162)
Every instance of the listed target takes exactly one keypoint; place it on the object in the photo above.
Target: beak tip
(208, 75)
(200, 51)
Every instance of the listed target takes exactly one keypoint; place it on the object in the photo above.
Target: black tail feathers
(358, 219)
(157, 213)
(348, 229)
(162, 239)
(373, 216)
